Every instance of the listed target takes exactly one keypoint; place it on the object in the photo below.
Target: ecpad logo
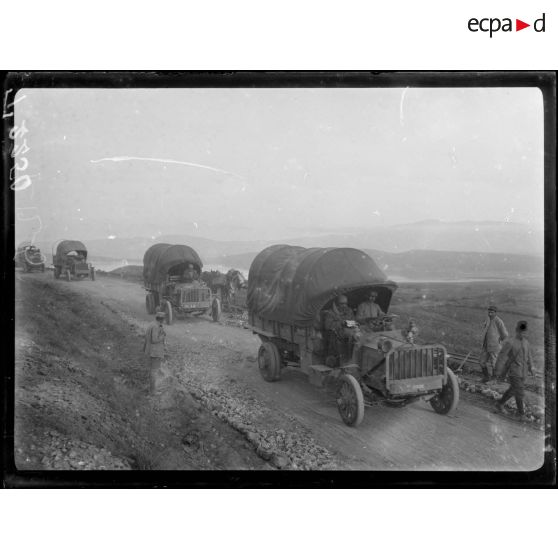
(494, 24)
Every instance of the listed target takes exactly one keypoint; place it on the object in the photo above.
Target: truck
(230, 287)
(29, 258)
(291, 293)
(236, 291)
(70, 261)
(171, 275)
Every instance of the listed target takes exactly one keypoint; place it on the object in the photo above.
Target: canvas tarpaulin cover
(67, 246)
(291, 284)
(160, 258)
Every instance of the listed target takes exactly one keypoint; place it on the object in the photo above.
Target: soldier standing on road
(154, 348)
(494, 333)
(515, 361)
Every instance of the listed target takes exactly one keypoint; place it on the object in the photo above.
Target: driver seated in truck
(189, 274)
(368, 310)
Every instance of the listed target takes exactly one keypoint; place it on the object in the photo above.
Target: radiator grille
(417, 362)
(196, 295)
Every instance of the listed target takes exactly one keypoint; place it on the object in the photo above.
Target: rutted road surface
(213, 409)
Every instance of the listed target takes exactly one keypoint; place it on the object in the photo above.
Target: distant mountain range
(427, 249)
(461, 236)
(436, 265)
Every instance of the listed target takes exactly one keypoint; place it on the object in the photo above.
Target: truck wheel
(216, 310)
(269, 362)
(168, 312)
(350, 401)
(446, 401)
(68, 275)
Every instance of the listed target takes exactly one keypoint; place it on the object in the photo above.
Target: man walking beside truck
(494, 333)
(515, 362)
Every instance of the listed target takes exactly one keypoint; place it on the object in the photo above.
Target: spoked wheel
(269, 362)
(167, 309)
(216, 310)
(446, 401)
(350, 401)
(68, 275)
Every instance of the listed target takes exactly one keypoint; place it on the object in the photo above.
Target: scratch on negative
(401, 106)
(171, 161)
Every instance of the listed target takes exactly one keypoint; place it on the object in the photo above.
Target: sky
(252, 163)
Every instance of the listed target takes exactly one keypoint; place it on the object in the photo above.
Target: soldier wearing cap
(515, 362)
(340, 312)
(154, 347)
(494, 333)
(338, 333)
(190, 274)
(369, 310)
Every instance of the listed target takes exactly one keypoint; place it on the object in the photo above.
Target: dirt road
(214, 410)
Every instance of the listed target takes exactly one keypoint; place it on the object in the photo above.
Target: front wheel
(269, 362)
(216, 310)
(446, 401)
(167, 308)
(350, 401)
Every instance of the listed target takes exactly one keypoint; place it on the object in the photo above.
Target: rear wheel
(350, 401)
(167, 309)
(446, 401)
(269, 362)
(216, 310)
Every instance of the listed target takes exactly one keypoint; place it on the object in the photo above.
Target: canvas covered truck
(70, 261)
(236, 291)
(291, 296)
(230, 287)
(171, 275)
(29, 258)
